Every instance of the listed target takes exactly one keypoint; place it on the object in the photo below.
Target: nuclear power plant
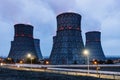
(68, 46)
(68, 43)
(93, 44)
(24, 43)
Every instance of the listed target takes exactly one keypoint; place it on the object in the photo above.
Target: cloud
(10, 9)
(111, 47)
(103, 15)
(37, 14)
(6, 36)
(60, 6)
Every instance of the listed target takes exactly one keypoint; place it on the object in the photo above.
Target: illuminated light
(95, 62)
(97, 40)
(78, 28)
(47, 62)
(29, 55)
(21, 62)
(22, 35)
(16, 35)
(29, 35)
(61, 28)
(69, 27)
(86, 52)
(9, 59)
(1, 64)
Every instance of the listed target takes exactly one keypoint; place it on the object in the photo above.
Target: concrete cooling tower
(68, 43)
(37, 48)
(93, 45)
(24, 43)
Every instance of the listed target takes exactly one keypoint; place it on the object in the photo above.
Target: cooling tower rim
(92, 32)
(36, 39)
(22, 24)
(64, 13)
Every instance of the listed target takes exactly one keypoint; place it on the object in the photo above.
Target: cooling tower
(93, 45)
(67, 44)
(37, 48)
(23, 43)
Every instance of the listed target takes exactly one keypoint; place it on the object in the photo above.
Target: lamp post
(86, 53)
(30, 56)
(97, 68)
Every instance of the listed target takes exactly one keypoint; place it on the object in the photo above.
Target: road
(72, 70)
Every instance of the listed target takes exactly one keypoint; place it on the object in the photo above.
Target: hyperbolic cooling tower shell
(93, 45)
(69, 21)
(23, 30)
(37, 47)
(68, 43)
(23, 43)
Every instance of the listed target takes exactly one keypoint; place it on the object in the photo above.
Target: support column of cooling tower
(93, 44)
(68, 43)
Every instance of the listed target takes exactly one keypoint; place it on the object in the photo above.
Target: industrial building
(68, 46)
(93, 45)
(24, 43)
(68, 43)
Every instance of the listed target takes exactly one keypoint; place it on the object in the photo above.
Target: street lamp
(47, 62)
(97, 68)
(86, 53)
(30, 56)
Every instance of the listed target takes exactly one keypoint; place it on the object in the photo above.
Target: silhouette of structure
(24, 43)
(68, 43)
(37, 48)
(93, 44)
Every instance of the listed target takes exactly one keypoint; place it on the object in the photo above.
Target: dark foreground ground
(108, 68)
(9, 74)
